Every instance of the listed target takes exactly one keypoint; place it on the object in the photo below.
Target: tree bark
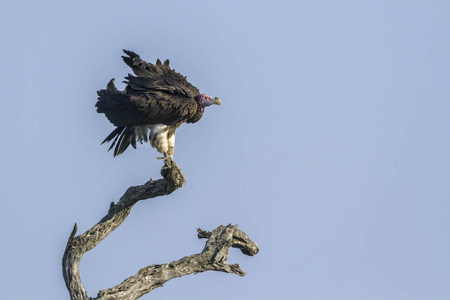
(213, 257)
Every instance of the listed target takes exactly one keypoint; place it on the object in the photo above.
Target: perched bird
(155, 102)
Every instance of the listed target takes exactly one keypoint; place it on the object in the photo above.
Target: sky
(330, 150)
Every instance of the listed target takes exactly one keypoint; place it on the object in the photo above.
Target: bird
(155, 102)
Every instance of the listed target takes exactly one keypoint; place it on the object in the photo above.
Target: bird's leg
(166, 156)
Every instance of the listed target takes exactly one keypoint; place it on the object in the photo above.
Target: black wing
(159, 77)
(157, 95)
(152, 107)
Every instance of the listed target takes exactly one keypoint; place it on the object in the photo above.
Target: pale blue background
(331, 148)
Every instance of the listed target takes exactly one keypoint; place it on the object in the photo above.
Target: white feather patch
(141, 133)
(158, 137)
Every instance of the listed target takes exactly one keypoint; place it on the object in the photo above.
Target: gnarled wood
(213, 256)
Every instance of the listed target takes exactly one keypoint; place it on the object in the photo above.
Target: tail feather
(133, 138)
(114, 134)
(124, 142)
(120, 138)
(124, 136)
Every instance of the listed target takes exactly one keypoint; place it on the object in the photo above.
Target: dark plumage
(156, 99)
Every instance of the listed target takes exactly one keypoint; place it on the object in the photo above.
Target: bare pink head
(207, 100)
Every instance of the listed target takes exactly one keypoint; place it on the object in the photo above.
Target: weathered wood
(213, 256)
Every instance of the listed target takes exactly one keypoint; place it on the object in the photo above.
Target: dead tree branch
(213, 257)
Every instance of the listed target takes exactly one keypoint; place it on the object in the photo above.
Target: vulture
(155, 102)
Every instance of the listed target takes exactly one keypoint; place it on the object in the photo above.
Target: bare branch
(77, 246)
(240, 240)
(213, 257)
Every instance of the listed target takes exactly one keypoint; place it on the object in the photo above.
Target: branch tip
(74, 231)
(203, 234)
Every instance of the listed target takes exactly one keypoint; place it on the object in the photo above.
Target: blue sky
(331, 148)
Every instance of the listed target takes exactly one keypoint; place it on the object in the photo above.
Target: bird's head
(207, 100)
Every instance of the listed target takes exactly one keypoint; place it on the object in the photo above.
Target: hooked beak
(217, 101)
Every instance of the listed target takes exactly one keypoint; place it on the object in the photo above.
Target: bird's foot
(165, 157)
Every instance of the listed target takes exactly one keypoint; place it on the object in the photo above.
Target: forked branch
(213, 257)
